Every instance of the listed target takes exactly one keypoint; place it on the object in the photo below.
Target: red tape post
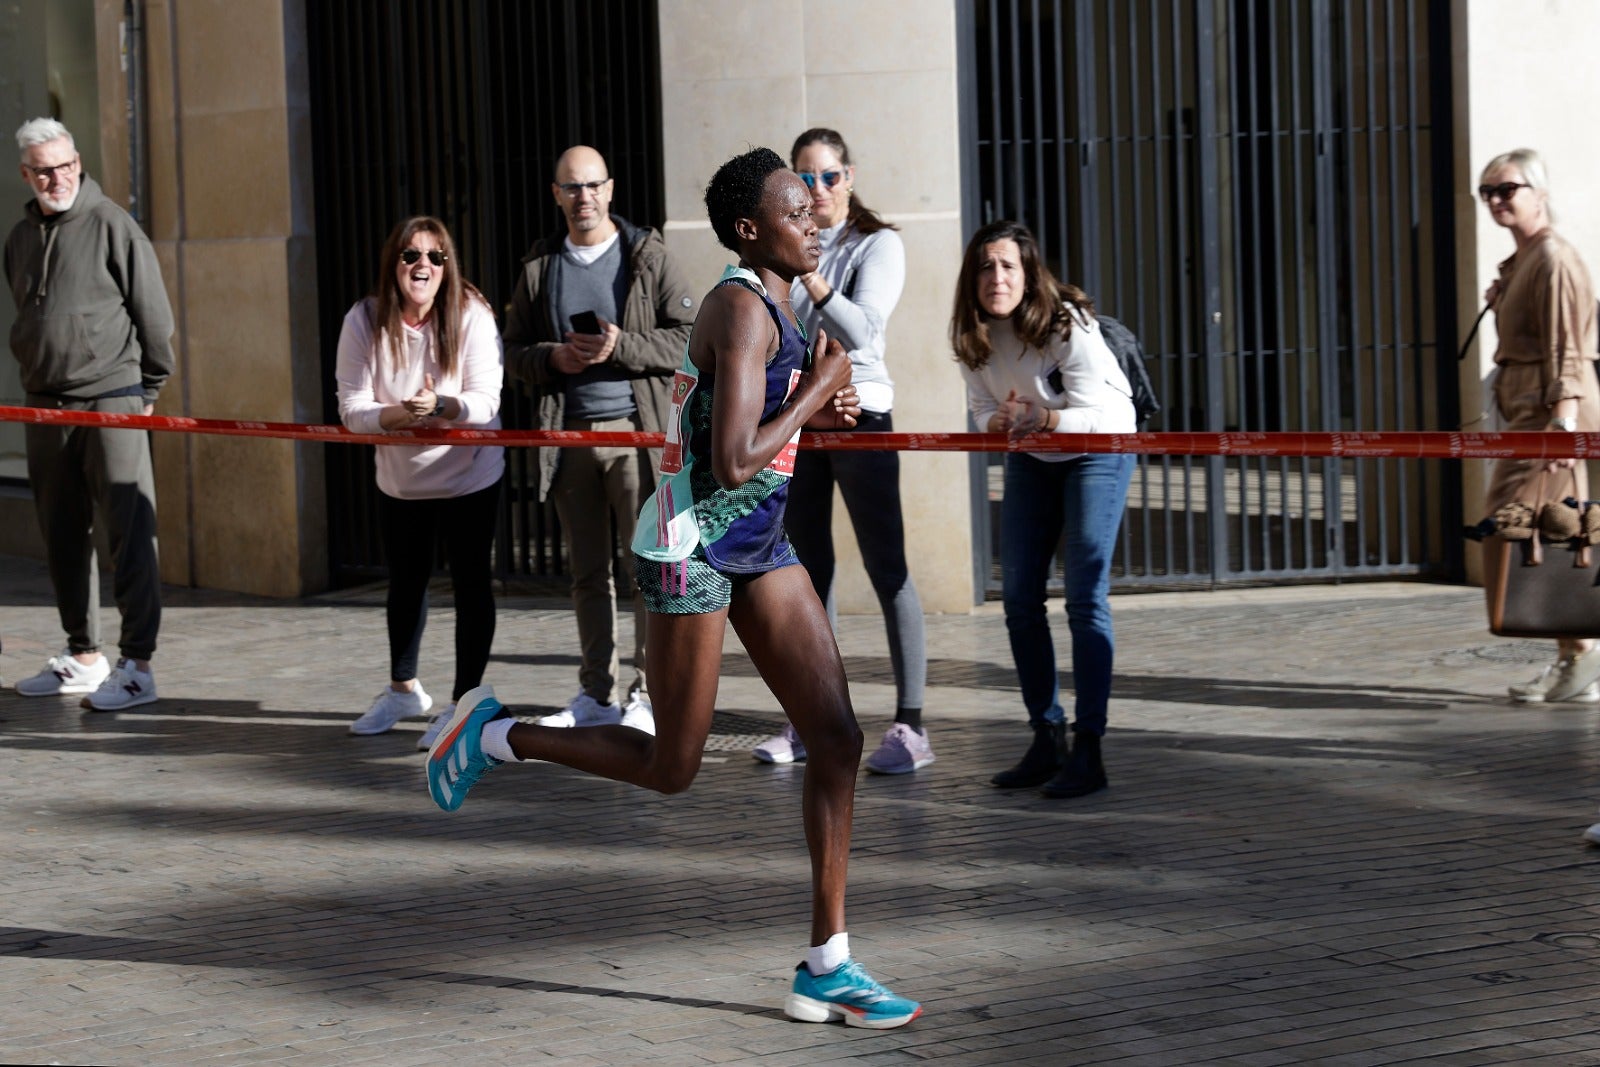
(1397, 444)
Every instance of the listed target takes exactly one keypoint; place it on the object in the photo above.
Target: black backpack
(1130, 354)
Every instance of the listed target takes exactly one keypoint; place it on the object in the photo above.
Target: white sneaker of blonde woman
(1570, 680)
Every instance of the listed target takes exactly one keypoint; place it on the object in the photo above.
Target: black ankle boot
(1043, 759)
(1081, 772)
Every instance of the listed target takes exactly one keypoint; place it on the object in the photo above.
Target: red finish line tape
(1396, 444)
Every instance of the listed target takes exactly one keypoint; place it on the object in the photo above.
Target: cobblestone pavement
(1329, 839)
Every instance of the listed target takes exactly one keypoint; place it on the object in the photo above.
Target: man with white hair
(93, 333)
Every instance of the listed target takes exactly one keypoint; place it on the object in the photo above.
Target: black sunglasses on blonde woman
(1503, 191)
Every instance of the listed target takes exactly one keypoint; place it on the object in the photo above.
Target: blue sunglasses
(830, 178)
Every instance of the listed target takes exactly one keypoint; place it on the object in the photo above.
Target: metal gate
(459, 108)
(1260, 190)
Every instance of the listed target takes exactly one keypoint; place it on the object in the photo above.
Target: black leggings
(410, 529)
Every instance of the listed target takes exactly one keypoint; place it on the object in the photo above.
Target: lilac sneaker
(903, 750)
(785, 748)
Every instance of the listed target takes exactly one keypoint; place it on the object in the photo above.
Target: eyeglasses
(830, 178)
(45, 174)
(411, 255)
(573, 190)
(1503, 191)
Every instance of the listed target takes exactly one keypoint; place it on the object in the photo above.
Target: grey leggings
(870, 485)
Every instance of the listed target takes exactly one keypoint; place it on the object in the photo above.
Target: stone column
(230, 211)
(882, 73)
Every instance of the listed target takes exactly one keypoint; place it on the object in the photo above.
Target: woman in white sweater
(1035, 362)
(423, 351)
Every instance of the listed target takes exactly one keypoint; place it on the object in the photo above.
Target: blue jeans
(1083, 498)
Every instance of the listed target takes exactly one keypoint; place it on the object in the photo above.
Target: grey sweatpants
(84, 474)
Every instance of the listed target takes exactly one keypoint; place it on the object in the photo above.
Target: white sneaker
(584, 710)
(1592, 834)
(63, 674)
(440, 721)
(391, 706)
(1559, 682)
(639, 713)
(125, 687)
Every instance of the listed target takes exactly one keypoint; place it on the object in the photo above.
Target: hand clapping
(422, 404)
(1018, 416)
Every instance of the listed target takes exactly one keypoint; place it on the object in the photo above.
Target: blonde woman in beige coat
(1544, 305)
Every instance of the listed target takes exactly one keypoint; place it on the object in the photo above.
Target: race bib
(672, 453)
(783, 462)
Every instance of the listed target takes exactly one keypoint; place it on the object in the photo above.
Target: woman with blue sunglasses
(850, 296)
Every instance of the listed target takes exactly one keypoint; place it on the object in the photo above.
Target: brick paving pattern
(1329, 839)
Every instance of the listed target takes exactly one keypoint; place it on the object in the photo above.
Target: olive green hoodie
(92, 313)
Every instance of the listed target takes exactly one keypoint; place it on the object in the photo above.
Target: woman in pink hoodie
(423, 351)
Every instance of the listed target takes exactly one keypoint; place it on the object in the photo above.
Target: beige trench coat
(1545, 315)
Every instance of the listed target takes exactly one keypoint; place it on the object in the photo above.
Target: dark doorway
(459, 108)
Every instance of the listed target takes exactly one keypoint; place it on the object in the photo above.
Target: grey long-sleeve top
(867, 273)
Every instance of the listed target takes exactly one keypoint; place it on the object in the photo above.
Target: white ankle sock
(493, 740)
(828, 956)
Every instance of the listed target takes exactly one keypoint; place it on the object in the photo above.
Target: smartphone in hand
(586, 322)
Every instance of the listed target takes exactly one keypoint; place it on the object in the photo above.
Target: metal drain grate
(733, 732)
(1513, 651)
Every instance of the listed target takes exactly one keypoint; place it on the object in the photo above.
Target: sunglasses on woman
(411, 255)
(1503, 191)
(830, 178)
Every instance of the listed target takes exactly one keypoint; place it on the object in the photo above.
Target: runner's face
(785, 230)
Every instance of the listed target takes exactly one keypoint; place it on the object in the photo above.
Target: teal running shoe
(457, 760)
(847, 992)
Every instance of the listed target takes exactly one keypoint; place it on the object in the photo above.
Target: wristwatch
(438, 407)
(1564, 422)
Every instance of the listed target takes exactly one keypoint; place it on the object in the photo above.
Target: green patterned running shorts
(690, 586)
